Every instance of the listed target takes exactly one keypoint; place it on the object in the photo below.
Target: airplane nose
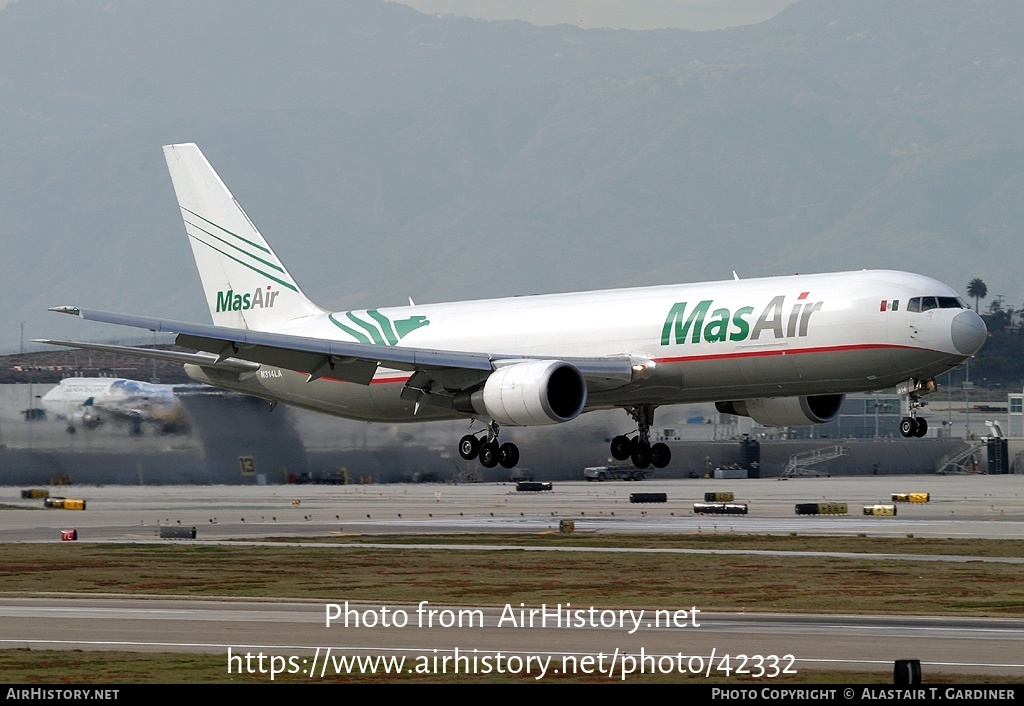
(968, 332)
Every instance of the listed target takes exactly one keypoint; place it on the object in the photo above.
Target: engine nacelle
(86, 419)
(786, 411)
(530, 393)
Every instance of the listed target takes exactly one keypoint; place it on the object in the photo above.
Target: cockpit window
(929, 303)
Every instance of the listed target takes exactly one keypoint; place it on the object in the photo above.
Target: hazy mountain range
(387, 154)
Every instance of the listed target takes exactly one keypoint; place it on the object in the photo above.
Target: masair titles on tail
(783, 350)
(246, 285)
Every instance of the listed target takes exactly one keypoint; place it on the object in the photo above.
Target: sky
(615, 14)
(612, 13)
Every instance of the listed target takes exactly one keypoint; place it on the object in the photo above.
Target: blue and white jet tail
(246, 284)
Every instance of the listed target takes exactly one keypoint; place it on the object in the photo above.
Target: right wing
(239, 349)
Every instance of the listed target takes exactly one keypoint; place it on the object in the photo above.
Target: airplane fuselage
(710, 341)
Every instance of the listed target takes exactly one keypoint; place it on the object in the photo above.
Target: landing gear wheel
(640, 446)
(621, 447)
(660, 455)
(508, 455)
(489, 455)
(641, 455)
(913, 425)
(469, 447)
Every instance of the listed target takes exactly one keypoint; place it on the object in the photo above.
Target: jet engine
(85, 418)
(529, 393)
(786, 411)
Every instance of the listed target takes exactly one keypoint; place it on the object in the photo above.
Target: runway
(959, 506)
(990, 507)
(713, 640)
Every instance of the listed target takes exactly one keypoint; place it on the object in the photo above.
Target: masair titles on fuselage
(718, 325)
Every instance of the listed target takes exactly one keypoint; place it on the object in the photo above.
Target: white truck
(602, 473)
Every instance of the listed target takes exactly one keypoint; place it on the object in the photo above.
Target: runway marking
(634, 550)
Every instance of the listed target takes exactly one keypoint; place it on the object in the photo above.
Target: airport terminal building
(237, 440)
(233, 439)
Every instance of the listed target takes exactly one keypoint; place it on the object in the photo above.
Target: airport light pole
(949, 401)
(967, 399)
(28, 414)
(880, 405)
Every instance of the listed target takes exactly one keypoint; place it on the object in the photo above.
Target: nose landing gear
(913, 426)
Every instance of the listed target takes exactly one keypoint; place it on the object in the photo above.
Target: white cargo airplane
(783, 350)
(88, 402)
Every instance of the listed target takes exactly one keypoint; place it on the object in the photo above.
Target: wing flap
(316, 364)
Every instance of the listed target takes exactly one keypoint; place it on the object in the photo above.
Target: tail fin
(246, 284)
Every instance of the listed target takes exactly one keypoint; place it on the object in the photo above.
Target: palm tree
(978, 289)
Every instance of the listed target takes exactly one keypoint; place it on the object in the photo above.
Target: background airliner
(782, 350)
(91, 402)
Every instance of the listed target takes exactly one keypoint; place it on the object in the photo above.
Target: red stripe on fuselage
(379, 381)
(783, 351)
(715, 356)
(374, 381)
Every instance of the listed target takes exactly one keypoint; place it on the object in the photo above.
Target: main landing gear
(914, 425)
(488, 450)
(639, 449)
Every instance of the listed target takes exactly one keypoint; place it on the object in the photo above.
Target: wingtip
(73, 310)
